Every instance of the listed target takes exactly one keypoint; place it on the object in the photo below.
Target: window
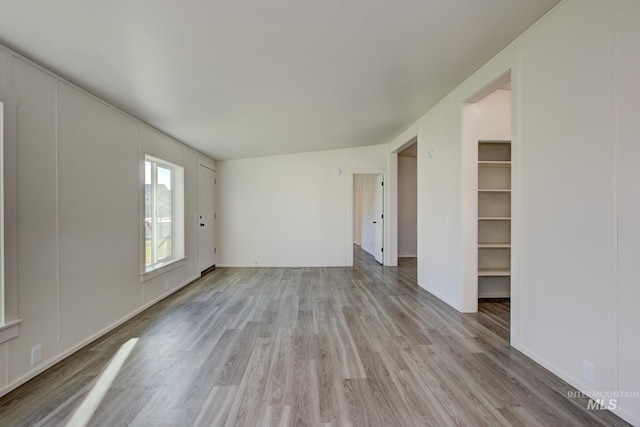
(9, 321)
(2, 213)
(163, 213)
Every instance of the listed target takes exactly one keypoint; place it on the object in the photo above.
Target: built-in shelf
(494, 151)
(494, 164)
(493, 272)
(494, 218)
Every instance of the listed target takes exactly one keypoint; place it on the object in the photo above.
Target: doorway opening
(488, 200)
(408, 204)
(368, 214)
(206, 219)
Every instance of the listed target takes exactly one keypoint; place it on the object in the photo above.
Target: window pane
(163, 212)
(148, 213)
(164, 176)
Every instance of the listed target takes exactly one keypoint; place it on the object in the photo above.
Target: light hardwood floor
(362, 346)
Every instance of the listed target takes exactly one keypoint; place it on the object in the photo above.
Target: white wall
(407, 207)
(628, 177)
(291, 210)
(575, 170)
(566, 192)
(79, 226)
(493, 117)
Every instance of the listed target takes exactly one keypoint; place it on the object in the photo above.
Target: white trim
(2, 227)
(162, 268)
(9, 331)
(615, 186)
(516, 198)
(8, 210)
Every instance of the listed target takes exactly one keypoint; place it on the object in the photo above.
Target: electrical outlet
(588, 371)
(36, 354)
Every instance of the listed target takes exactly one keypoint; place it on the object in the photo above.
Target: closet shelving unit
(494, 218)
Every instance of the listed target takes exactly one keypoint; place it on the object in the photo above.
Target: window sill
(9, 331)
(162, 268)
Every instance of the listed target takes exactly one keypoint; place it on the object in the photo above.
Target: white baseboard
(60, 357)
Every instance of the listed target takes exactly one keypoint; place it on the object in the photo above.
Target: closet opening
(488, 200)
(408, 204)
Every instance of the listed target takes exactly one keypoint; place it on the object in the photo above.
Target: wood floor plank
(350, 362)
(330, 383)
(360, 403)
(250, 392)
(233, 367)
(360, 346)
(415, 399)
(519, 416)
(306, 397)
(434, 390)
(468, 393)
(275, 416)
(215, 409)
(279, 378)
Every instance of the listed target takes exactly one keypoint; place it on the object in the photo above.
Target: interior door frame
(379, 179)
(204, 162)
(385, 175)
(469, 199)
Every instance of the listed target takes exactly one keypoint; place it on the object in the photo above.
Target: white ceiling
(247, 78)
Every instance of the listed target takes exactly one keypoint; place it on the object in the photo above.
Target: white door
(206, 216)
(378, 220)
(358, 218)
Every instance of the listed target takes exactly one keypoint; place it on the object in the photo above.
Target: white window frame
(9, 321)
(177, 218)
